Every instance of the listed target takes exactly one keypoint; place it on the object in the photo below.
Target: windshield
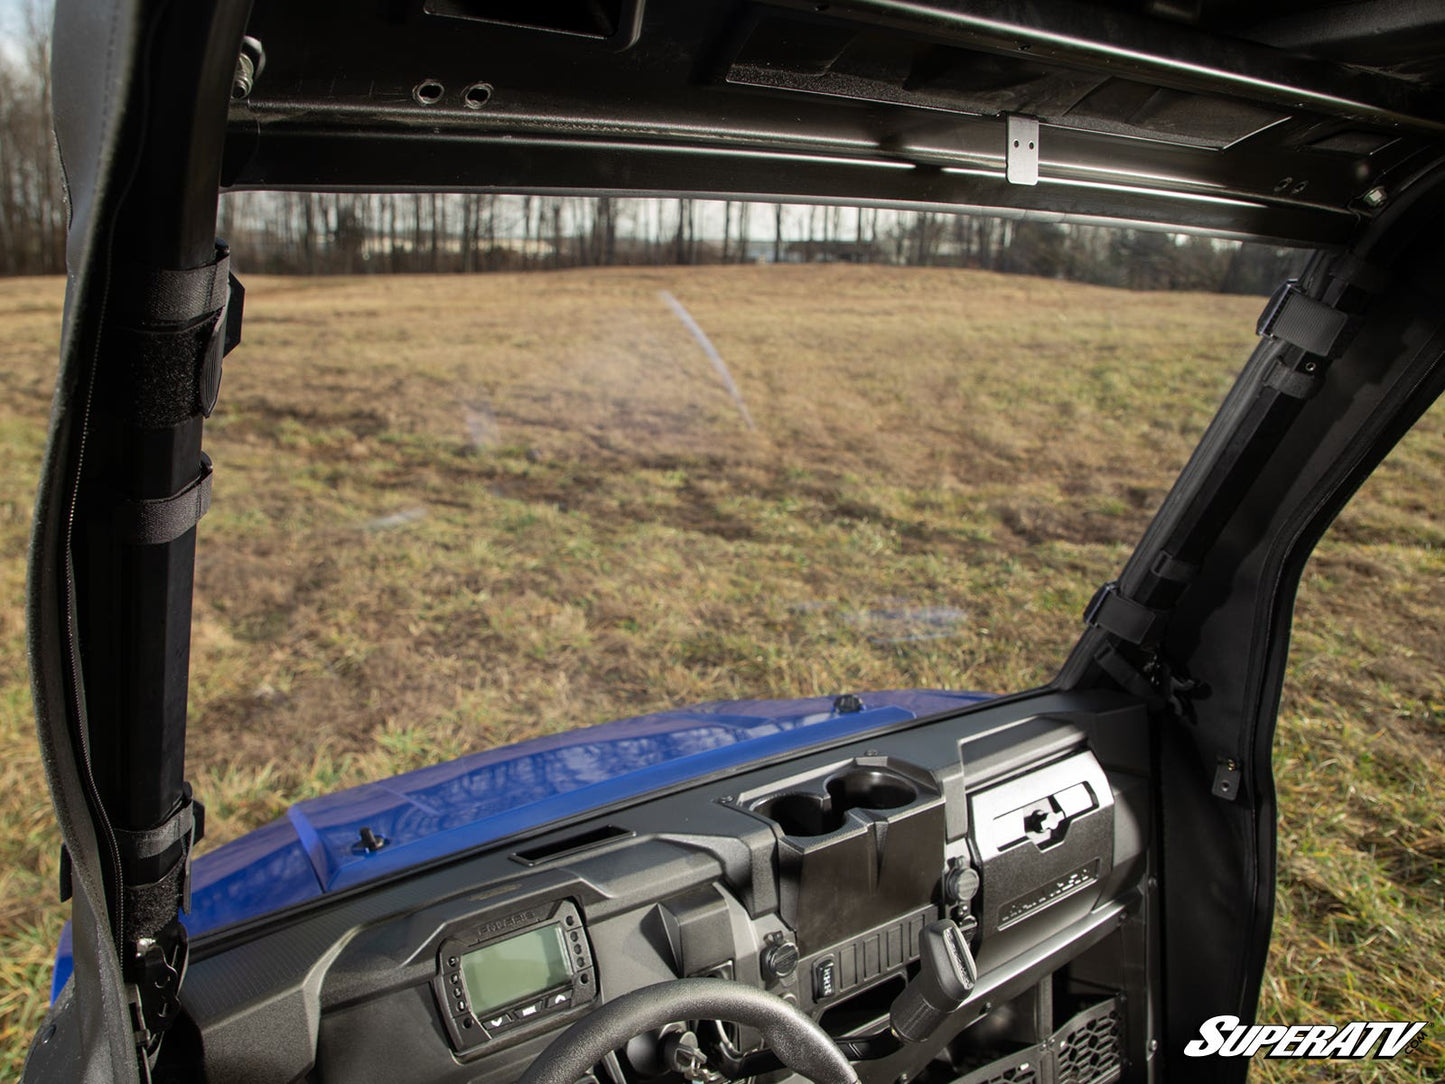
(455, 511)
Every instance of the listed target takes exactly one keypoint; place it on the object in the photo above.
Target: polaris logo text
(1226, 1037)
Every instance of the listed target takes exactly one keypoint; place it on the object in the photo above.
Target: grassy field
(456, 512)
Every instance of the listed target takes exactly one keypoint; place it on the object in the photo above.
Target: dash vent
(565, 845)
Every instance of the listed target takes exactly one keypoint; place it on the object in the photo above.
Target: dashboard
(1025, 822)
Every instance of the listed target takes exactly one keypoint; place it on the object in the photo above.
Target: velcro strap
(1168, 567)
(164, 519)
(1362, 274)
(153, 842)
(1293, 382)
(1130, 621)
(1300, 320)
(153, 295)
(1125, 673)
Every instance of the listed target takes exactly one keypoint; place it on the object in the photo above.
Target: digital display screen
(518, 967)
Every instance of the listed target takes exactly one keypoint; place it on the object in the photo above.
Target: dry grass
(456, 512)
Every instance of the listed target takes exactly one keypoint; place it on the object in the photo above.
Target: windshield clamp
(156, 865)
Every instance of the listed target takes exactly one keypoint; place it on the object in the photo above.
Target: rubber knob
(779, 961)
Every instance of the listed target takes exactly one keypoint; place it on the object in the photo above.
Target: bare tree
(684, 209)
(32, 211)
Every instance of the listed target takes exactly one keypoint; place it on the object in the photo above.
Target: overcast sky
(9, 23)
(12, 17)
(12, 20)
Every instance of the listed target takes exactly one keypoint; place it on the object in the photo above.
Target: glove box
(1044, 841)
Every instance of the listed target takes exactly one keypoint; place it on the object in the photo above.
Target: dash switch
(825, 978)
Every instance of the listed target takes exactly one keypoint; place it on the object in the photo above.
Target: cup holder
(802, 814)
(810, 813)
(869, 788)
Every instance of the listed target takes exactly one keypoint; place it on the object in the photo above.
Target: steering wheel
(798, 1042)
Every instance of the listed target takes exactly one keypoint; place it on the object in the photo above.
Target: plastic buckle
(1096, 604)
(1275, 306)
(1293, 317)
(1122, 617)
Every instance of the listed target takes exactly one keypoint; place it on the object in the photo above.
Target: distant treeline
(328, 233)
(324, 233)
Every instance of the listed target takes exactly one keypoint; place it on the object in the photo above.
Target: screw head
(245, 77)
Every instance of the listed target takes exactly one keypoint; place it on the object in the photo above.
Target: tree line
(391, 233)
(335, 233)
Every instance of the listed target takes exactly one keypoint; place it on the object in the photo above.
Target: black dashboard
(1024, 822)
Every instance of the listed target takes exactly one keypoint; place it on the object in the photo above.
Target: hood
(451, 808)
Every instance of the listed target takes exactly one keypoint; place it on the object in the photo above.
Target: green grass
(458, 512)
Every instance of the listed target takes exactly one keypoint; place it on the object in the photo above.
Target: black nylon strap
(1168, 567)
(1294, 382)
(1125, 673)
(173, 329)
(1124, 618)
(1362, 274)
(166, 296)
(164, 519)
(1295, 318)
(156, 841)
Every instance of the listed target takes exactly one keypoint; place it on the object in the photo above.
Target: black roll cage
(150, 129)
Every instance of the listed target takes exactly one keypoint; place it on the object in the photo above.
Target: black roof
(1282, 119)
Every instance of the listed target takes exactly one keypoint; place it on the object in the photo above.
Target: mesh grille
(1088, 1047)
(1020, 1068)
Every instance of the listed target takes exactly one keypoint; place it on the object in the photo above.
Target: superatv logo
(1226, 1037)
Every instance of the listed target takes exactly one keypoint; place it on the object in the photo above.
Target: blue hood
(481, 798)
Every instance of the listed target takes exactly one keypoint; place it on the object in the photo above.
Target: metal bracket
(1022, 151)
(1226, 779)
